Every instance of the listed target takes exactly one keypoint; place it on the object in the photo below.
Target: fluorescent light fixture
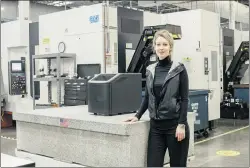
(2, 8)
(60, 3)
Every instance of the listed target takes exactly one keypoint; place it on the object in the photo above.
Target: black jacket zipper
(156, 110)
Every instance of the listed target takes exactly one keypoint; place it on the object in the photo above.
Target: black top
(161, 71)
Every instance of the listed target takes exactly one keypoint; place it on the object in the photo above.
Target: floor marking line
(208, 160)
(9, 138)
(227, 153)
(226, 133)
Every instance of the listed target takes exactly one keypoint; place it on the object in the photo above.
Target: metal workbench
(58, 79)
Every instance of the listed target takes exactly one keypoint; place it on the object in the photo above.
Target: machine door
(213, 82)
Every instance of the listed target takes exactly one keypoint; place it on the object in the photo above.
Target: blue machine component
(94, 19)
(198, 103)
(242, 93)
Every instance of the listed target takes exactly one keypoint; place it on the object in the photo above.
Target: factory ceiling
(163, 8)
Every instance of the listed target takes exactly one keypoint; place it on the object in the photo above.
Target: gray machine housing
(113, 94)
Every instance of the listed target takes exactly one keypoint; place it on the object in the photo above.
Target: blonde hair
(168, 36)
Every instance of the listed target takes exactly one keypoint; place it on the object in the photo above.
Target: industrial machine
(237, 68)
(17, 77)
(233, 106)
(113, 94)
(17, 88)
(143, 55)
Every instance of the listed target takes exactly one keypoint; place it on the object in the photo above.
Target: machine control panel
(17, 77)
(206, 66)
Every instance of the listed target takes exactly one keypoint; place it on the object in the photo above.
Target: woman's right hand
(131, 119)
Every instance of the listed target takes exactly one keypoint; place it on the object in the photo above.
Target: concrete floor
(228, 135)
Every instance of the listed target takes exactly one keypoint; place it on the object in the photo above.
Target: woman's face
(162, 48)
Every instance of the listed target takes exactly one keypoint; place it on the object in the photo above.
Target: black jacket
(169, 105)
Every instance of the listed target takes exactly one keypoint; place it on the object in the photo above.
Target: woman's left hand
(180, 132)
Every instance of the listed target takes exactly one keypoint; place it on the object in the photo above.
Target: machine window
(228, 41)
(115, 53)
(214, 66)
(130, 26)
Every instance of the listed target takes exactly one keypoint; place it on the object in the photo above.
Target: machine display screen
(16, 67)
(228, 41)
(84, 70)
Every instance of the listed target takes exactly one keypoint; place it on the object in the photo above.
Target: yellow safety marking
(228, 153)
(46, 41)
(244, 49)
(187, 59)
(226, 133)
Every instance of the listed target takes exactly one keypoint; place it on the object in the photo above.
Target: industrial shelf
(54, 56)
(50, 79)
(59, 80)
(45, 79)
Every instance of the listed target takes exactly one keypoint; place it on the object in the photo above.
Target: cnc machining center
(234, 104)
(237, 68)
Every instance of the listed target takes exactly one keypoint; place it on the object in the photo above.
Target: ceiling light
(2, 8)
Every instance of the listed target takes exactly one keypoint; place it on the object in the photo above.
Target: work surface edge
(78, 117)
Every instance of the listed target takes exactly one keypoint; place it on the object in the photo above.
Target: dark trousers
(159, 142)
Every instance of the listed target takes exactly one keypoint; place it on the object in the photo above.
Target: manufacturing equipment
(234, 108)
(143, 55)
(241, 91)
(235, 104)
(112, 94)
(17, 77)
(238, 67)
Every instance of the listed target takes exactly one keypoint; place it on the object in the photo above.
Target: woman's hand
(180, 132)
(131, 119)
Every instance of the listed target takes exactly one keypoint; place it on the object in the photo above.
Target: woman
(166, 98)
